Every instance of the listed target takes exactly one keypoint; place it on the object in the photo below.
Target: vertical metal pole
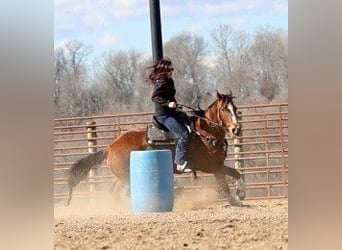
(91, 137)
(238, 164)
(267, 156)
(285, 194)
(156, 32)
(119, 126)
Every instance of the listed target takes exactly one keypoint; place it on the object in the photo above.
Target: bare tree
(121, 72)
(270, 61)
(187, 52)
(254, 66)
(223, 37)
(76, 52)
(70, 78)
(233, 63)
(59, 75)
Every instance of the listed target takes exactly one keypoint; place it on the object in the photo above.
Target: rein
(214, 124)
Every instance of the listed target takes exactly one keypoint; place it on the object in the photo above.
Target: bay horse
(207, 149)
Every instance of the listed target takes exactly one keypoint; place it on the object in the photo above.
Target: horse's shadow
(243, 205)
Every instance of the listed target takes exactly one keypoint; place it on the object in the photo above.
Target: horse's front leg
(239, 182)
(233, 200)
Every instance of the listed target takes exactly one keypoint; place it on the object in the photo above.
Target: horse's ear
(199, 107)
(230, 94)
(218, 95)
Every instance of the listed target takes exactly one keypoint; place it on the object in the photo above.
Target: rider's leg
(182, 144)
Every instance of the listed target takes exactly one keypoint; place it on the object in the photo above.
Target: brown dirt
(197, 222)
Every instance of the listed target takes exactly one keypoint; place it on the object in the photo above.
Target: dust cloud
(106, 203)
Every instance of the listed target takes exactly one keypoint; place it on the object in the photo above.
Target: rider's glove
(172, 105)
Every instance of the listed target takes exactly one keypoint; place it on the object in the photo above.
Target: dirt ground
(196, 222)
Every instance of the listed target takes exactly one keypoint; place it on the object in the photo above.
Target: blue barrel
(151, 181)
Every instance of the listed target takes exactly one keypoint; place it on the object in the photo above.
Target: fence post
(285, 194)
(238, 163)
(91, 138)
(267, 155)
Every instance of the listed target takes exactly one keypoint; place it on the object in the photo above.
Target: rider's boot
(183, 168)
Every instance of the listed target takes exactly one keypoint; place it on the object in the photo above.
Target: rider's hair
(159, 70)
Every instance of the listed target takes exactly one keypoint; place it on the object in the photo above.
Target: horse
(207, 149)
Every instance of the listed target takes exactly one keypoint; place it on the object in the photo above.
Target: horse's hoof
(241, 195)
(194, 174)
(240, 189)
(234, 201)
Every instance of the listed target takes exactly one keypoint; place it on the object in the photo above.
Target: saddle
(158, 134)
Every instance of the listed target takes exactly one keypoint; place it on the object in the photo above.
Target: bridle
(209, 140)
(214, 124)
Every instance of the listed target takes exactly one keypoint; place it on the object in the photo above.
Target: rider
(165, 112)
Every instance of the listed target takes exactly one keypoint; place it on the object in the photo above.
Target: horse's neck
(211, 113)
(206, 126)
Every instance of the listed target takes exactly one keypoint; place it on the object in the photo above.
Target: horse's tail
(81, 168)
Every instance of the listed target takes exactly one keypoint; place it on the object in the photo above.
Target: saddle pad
(155, 134)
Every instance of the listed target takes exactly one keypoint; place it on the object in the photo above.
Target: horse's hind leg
(194, 174)
(117, 188)
(232, 200)
(239, 182)
(232, 172)
(67, 203)
(112, 188)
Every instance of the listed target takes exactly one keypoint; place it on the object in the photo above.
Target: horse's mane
(195, 113)
(229, 97)
(199, 112)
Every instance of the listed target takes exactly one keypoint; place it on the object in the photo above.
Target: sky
(125, 24)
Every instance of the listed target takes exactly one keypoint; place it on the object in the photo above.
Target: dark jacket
(164, 92)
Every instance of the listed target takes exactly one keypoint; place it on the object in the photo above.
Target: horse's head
(226, 113)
